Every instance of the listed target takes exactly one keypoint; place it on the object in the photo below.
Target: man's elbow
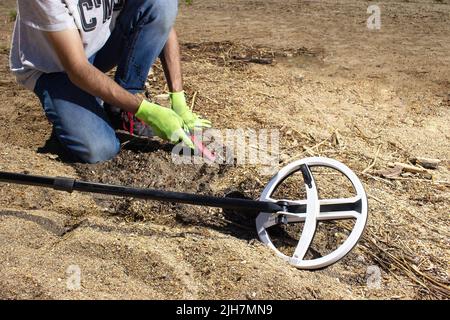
(77, 71)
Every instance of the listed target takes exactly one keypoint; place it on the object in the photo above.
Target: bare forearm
(171, 62)
(93, 81)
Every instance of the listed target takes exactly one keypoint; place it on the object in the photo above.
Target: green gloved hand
(165, 122)
(192, 120)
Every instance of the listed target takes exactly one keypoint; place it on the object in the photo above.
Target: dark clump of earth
(145, 163)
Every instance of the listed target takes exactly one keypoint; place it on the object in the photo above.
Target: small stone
(284, 157)
(409, 122)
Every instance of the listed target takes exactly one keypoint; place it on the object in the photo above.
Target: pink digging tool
(203, 149)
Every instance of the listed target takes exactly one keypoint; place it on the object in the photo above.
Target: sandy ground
(334, 88)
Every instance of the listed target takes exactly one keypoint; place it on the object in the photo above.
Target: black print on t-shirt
(118, 5)
(85, 6)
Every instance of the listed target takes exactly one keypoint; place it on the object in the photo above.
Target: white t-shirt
(31, 53)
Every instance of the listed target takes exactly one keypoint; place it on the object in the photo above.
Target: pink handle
(203, 150)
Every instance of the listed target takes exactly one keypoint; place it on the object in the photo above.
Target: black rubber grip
(64, 184)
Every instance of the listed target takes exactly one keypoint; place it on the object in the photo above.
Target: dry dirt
(332, 87)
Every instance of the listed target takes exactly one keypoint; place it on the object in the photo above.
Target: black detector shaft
(70, 185)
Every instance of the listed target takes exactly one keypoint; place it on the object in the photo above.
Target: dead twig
(441, 182)
(267, 95)
(374, 160)
(426, 163)
(193, 100)
(258, 60)
(210, 99)
(308, 150)
(337, 140)
(379, 179)
(408, 168)
(363, 135)
(376, 199)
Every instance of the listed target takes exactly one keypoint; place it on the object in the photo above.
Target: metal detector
(272, 212)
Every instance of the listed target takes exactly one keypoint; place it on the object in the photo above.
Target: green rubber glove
(165, 122)
(192, 120)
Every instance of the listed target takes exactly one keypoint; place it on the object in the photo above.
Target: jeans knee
(100, 151)
(159, 15)
(164, 13)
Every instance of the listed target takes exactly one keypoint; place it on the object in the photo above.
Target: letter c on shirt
(84, 6)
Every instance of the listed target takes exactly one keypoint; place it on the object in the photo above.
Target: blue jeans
(78, 118)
